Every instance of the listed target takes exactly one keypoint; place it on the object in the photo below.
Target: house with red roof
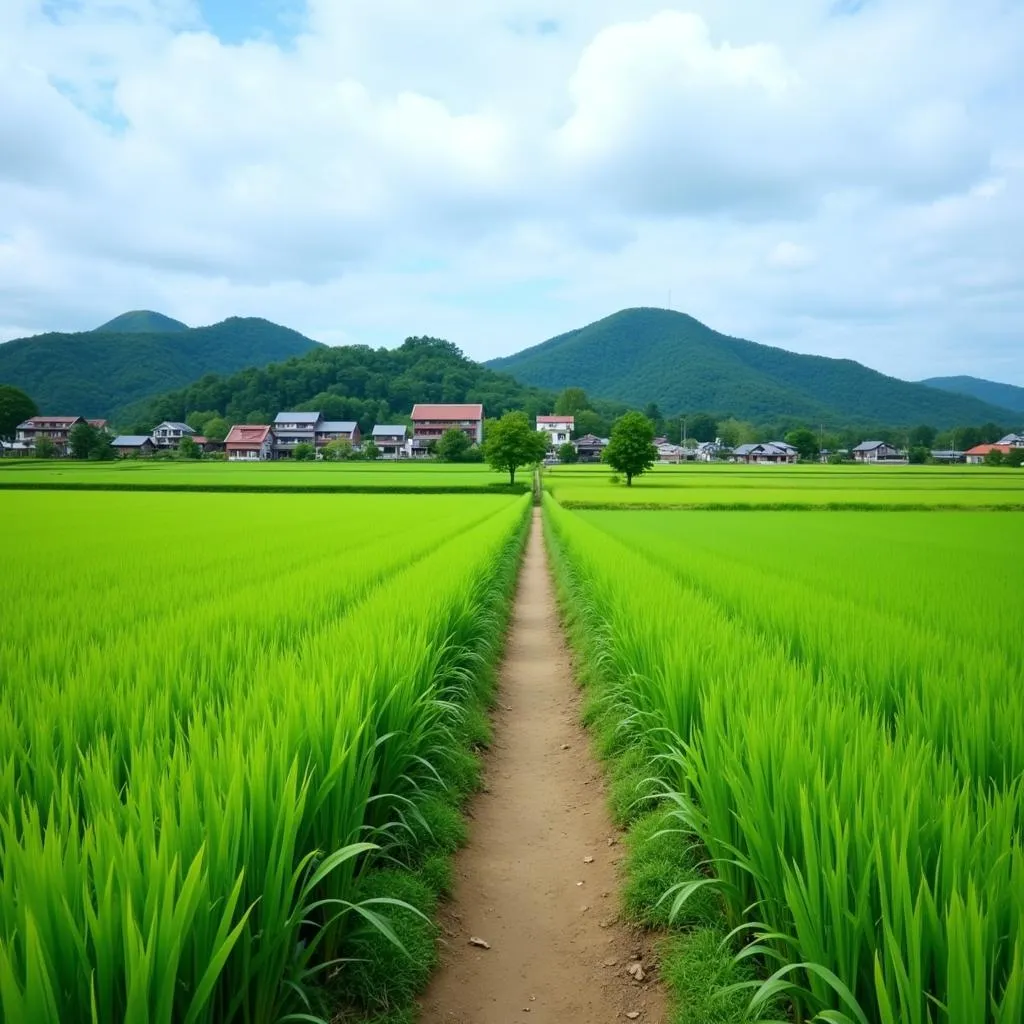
(250, 442)
(558, 428)
(976, 455)
(429, 422)
(56, 428)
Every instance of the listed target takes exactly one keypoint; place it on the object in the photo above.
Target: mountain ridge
(646, 354)
(101, 372)
(141, 321)
(1009, 396)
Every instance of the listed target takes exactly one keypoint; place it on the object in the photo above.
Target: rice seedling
(832, 705)
(217, 714)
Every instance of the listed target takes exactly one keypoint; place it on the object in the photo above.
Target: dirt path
(558, 951)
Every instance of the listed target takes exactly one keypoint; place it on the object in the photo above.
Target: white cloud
(500, 171)
(790, 256)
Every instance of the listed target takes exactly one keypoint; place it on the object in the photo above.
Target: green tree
(571, 401)
(453, 445)
(567, 453)
(188, 449)
(512, 442)
(734, 432)
(339, 450)
(923, 436)
(919, 454)
(370, 450)
(303, 452)
(217, 428)
(805, 442)
(994, 458)
(590, 422)
(653, 413)
(701, 426)
(81, 440)
(15, 408)
(1014, 457)
(45, 448)
(631, 449)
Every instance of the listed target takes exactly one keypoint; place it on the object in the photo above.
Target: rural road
(558, 952)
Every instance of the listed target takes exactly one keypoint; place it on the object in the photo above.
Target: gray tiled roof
(297, 417)
(389, 429)
(131, 440)
(868, 446)
(337, 426)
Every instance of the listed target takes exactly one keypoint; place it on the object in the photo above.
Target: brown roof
(98, 424)
(984, 449)
(247, 433)
(448, 412)
(556, 419)
(53, 419)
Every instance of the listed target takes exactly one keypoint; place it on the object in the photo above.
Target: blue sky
(832, 176)
(234, 21)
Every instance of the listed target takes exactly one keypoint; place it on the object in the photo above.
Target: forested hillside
(142, 321)
(640, 356)
(353, 382)
(1009, 396)
(99, 373)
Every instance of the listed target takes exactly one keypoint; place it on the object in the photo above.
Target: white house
(169, 434)
(558, 428)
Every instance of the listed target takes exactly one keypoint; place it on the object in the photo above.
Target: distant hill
(142, 321)
(350, 382)
(101, 372)
(1009, 396)
(658, 355)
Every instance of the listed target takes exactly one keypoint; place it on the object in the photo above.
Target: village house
(337, 430)
(103, 425)
(250, 442)
(766, 453)
(589, 447)
(976, 455)
(292, 428)
(875, 451)
(133, 444)
(169, 434)
(1013, 440)
(56, 428)
(430, 421)
(391, 439)
(669, 453)
(710, 451)
(558, 428)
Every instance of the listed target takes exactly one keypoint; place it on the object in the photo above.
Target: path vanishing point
(538, 881)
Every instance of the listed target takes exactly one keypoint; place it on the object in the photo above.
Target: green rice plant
(851, 764)
(208, 740)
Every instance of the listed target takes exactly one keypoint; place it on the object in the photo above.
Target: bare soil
(525, 883)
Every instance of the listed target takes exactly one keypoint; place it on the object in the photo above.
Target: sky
(842, 177)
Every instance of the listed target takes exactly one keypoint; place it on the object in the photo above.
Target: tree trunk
(511, 476)
(629, 479)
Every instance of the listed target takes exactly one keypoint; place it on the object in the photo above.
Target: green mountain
(1009, 396)
(351, 382)
(658, 355)
(99, 373)
(142, 321)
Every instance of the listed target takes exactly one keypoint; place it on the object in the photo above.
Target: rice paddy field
(703, 486)
(833, 707)
(221, 714)
(326, 477)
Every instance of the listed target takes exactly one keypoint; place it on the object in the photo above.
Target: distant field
(269, 476)
(729, 486)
